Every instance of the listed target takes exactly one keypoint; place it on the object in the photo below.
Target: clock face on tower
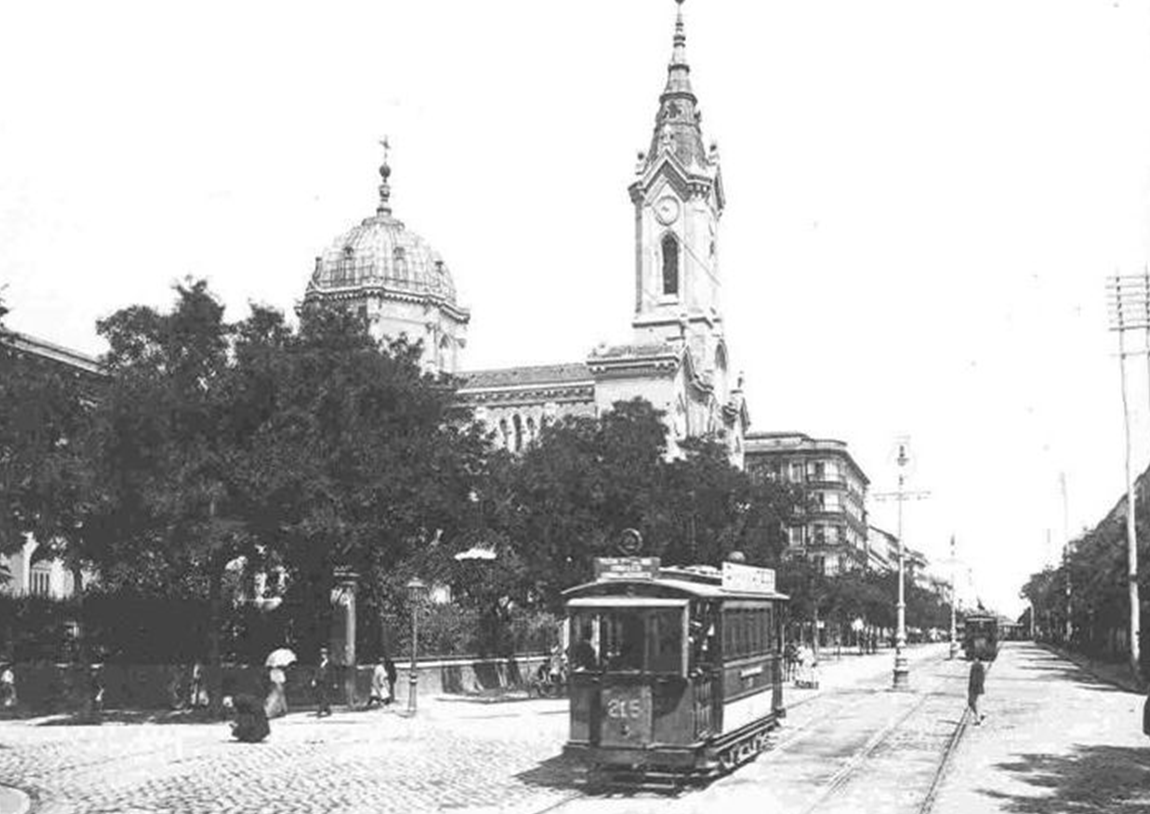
(666, 210)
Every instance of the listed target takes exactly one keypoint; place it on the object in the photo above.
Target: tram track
(886, 744)
(831, 797)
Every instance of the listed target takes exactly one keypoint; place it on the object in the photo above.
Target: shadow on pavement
(557, 772)
(126, 716)
(1112, 779)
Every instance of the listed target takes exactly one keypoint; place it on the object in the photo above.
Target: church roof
(527, 376)
(382, 253)
(677, 124)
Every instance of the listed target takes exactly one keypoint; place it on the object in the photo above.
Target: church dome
(382, 252)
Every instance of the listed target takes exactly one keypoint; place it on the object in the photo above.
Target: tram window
(665, 640)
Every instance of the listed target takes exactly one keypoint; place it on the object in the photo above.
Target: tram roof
(692, 588)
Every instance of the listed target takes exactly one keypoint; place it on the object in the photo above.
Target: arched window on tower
(517, 422)
(670, 264)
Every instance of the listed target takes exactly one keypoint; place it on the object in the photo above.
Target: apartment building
(833, 532)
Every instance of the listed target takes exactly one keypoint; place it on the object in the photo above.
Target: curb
(14, 801)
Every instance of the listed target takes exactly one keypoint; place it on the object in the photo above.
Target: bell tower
(678, 197)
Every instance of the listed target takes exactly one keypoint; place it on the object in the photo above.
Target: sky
(923, 203)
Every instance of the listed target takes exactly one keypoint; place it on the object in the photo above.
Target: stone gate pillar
(342, 646)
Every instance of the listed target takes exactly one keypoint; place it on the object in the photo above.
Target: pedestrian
(389, 668)
(7, 686)
(976, 687)
(320, 684)
(197, 693)
(790, 656)
(379, 694)
(251, 722)
(94, 701)
(275, 705)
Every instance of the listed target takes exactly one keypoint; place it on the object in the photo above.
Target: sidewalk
(1118, 674)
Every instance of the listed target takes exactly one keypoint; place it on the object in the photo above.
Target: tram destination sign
(748, 579)
(626, 567)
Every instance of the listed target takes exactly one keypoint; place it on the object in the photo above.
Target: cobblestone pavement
(1056, 740)
(451, 757)
(857, 735)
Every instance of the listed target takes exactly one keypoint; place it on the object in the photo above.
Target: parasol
(280, 658)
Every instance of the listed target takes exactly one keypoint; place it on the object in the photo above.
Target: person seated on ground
(251, 722)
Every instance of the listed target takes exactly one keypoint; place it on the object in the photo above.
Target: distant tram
(676, 672)
(980, 637)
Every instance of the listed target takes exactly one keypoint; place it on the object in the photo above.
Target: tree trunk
(216, 564)
(78, 592)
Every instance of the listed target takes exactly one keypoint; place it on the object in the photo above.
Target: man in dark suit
(320, 683)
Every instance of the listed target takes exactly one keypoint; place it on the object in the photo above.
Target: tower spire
(678, 72)
(677, 123)
(384, 207)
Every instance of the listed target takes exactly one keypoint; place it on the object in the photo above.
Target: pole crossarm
(900, 496)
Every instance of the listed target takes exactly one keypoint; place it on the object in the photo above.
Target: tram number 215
(624, 708)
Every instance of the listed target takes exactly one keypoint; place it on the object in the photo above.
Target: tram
(675, 672)
(980, 637)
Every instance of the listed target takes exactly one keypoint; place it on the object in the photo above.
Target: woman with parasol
(275, 705)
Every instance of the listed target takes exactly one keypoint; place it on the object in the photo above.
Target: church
(677, 358)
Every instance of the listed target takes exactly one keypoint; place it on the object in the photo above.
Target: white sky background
(923, 201)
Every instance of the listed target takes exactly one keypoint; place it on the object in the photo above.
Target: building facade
(28, 571)
(833, 532)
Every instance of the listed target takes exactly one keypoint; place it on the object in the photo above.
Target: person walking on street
(275, 704)
(320, 684)
(379, 694)
(976, 687)
(389, 668)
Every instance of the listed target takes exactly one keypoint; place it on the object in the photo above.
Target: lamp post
(901, 669)
(415, 589)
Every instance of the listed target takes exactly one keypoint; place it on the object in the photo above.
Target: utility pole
(901, 668)
(953, 602)
(1066, 553)
(1129, 302)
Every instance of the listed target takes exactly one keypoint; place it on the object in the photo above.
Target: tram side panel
(751, 692)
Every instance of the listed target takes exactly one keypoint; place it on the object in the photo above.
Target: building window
(797, 472)
(670, 265)
(399, 262)
(345, 268)
(39, 582)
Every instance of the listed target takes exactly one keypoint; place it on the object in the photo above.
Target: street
(1055, 739)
